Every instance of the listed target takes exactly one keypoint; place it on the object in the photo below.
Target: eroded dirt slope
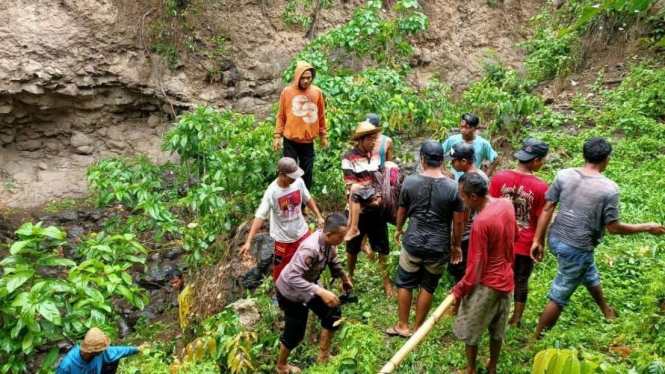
(78, 81)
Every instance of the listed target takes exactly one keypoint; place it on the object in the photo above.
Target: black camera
(348, 297)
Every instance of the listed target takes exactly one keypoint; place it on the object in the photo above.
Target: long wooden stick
(418, 336)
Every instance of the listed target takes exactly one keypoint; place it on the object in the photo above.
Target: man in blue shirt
(484, 151)
(93, 353)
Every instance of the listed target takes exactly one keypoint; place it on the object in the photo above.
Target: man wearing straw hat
(94, 353)
(366, 216)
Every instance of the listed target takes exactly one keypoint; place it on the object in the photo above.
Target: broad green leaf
(661, 42)
(55, 261)
(14, 260)
(19, 246)
(114, 278)
(571, 365)
(18, 279)
(542, 360)
(587, 367)
(50, 359)
(639, 5)
(26, 229)
(49, 311)
(53, 232)
(126, 293)
(127, 278)
(619, 5)
(26, 345)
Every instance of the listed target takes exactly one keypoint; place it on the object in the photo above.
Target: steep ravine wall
(77, 81)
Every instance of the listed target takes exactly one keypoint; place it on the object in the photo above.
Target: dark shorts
(522, 269)
(574, 267)
(371, 222)
(295, 318)
(414, 272)
(457, 270)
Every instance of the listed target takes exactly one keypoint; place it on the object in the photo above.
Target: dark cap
(532, 148)
(461, 151)
(288, 166)
(372, 118)
(432, 150)
(471, 120)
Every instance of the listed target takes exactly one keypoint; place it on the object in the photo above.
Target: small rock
(42, 166)
(68, 215)
(154, 120)
(30, 145)
(69, 90)
(52, 145)
(149, 108)
(76, 231)
(265, 89)
(97, 214)
(244, 88)
(174, 254)
(116, 145)
(32, 88)
(7, 138)
(85, 150)
(4, 109)
(245, 105)
(80, 140)
(9, 119)
(426, 56)
(248, 313)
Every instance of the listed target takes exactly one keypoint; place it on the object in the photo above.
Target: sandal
(392, 332)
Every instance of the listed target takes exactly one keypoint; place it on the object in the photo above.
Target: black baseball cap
(471, 120)
(461, 151)
(532, 148)
(372, 118)
(432, 150)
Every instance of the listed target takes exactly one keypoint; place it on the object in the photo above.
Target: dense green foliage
(46, 297)
(226, 163)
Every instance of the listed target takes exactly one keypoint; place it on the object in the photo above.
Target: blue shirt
(482, 148)
(72, 363)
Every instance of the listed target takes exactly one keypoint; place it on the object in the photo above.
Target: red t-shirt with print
(527, 193)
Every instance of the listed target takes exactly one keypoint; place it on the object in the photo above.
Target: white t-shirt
(282, 205)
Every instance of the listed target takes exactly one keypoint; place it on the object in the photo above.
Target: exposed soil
(79, 82)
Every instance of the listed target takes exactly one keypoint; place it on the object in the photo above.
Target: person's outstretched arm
(620, 228)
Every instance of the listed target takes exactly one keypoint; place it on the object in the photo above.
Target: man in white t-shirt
(282, 204)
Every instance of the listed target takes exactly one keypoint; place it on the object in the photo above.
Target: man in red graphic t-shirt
(527, 192)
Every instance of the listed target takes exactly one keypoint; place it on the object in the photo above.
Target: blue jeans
(574, 267)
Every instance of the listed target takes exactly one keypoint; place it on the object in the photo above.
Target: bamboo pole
(418, 336)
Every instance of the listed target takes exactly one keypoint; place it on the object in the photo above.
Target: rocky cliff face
(78, 81)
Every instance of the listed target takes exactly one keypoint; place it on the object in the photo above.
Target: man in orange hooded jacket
(301, 119)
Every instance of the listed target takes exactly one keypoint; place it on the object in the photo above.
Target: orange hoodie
(301, 115)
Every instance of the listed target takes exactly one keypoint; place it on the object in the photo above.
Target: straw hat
(95, 341)
(365, 128)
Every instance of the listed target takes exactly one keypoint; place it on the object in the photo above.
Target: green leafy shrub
(549, 56)
(40, 307)
(502, 99)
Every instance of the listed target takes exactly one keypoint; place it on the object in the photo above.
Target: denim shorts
(574, 267)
